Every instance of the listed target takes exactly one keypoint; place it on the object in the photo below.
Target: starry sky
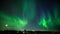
(29, 15)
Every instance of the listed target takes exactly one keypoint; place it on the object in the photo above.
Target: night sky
(30, 15)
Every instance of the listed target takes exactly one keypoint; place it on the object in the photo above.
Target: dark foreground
(28, 32)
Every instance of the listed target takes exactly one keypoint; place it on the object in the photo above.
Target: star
(6, 25)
